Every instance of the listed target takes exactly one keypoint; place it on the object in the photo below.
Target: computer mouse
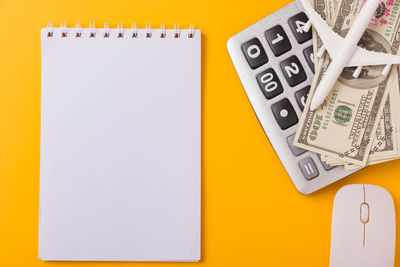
(363, 227)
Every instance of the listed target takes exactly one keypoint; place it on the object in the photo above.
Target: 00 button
(269, 83)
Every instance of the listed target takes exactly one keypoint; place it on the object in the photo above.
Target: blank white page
(120, 153)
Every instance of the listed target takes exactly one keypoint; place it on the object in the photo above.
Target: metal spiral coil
(120, 33)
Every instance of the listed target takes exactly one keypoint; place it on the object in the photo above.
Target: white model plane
(344, 52)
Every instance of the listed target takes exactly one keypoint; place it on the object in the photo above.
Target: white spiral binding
(191, 31)
(163, 31)
(177, 33)
(78, 33)
(92, 33)
(134, 30)
(121, 31)
(50, 25)
(63, 32)
(106, 30)
(148, 30)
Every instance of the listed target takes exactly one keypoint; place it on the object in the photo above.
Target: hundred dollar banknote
(385, 145)
(345, 124)
(326, 9)
(385, 141)
(390, 145)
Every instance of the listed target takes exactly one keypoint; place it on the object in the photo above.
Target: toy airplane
(344, 52)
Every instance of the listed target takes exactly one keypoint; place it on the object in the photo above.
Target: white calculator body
(274, 61)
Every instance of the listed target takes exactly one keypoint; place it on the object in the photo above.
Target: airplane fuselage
(343, 56)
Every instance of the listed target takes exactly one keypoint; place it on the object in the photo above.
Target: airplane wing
(333, 42)
(363, 57)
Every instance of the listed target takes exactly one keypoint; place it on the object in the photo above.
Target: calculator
(275, 63)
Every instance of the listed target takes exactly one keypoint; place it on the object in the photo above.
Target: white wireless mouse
(363, 227)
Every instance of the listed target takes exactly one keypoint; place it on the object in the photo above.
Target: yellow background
(252, 213)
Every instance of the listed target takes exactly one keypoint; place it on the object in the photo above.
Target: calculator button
(269, 83)
(278, 40)
(326, 166)
(295, 150)
(254, 53)
(284, 113)
(293, 71)
(301, 97)
(296, 24)
(308, 168)
(309, 55)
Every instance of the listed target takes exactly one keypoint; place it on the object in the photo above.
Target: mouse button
(374, 193)
(380, 202)
(350, 189)
(349, 194)
(348, 200)
(364, 212)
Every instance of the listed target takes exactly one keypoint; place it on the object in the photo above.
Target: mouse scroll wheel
(364, 212)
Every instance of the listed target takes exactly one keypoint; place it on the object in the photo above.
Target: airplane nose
(364, 212)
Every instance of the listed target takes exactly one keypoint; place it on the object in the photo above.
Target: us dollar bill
(385, 141)
(388, 139)
(384, 144)
(345, 124)
(326, 9)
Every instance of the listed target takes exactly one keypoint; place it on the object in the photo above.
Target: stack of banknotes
(359, 122)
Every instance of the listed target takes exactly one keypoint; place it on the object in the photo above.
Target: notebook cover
(120, 163)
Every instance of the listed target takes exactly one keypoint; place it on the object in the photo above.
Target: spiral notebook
(120, 154)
